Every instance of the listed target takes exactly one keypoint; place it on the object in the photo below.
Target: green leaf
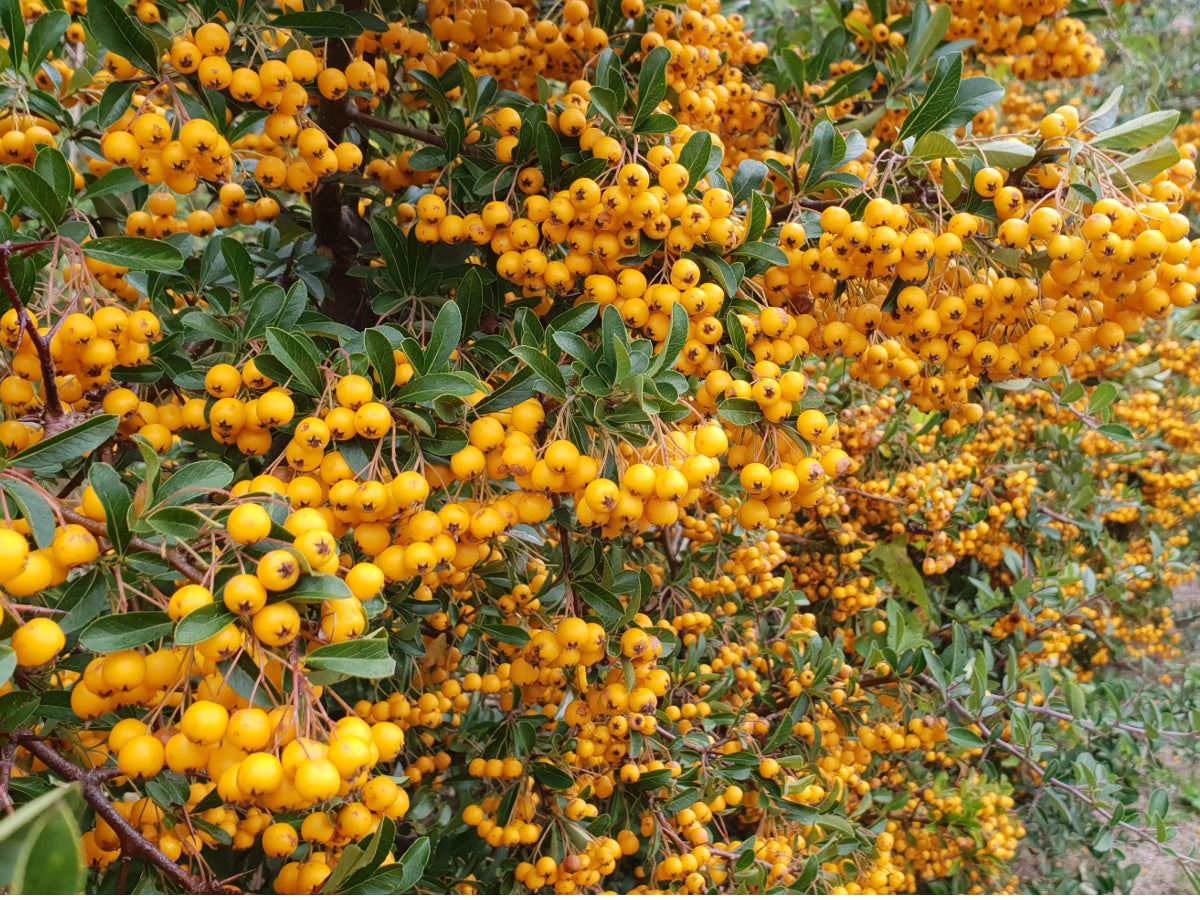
(1072, 392)
(119, 33)
(8, 663)
(1102, 398)
(300, 356)
(821, 155)
(549, 149)
(508, 634)
(125, 631)
(606, 104)
(362, 658)
(399, 878)
(447, 331)
(939, 100)
(699, 156)
(46, 34)
(760, 217)
(923, 41)
(769, 253)
(41, 849)
(318, 587)
(52, 166)
(119, 181)
(115, 102)
(657, 123)
(964, 737)
(936, 145)
(546, 369)
(1139, 132)
(135, 253)
(522, 386)
(748, 177)
(169, 790)
(359, 861)
(427, 388)
(652, 85)
(899, 569)
(328, 24)
(668, 356)
(849, 85)
(37, 193)
(85, 598)
(35, 509)
(1156, 158)
(195, 480)
(381, 355)
(469, 298)
(1120, 433)
(12, 23)
(203, 623)
(52, 454)
(117, 501)
(1007, 154)
(549, 775)
(974, 96)
(739, 412)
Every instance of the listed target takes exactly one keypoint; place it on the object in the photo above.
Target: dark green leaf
(52, 454)
(318, 587)
(974, 96)
(116, 500)
(381, 355)
(119, 181)
(546, 369)
(135, 253)
(200, 625)
(652, 85)
(37, 193)
(119, 33)
(447, 330)
(125, 631)
(46, 35)
(427, 388)
(398, 878)
(668, 356)
(549, 775)
(699, 156)
(748, 177)
(12, 23)
(328, 24)
(926, 35)
(85, 598)
(195, 480)
(939, 101)
(300, 356)
(35, 509)
(362, 658)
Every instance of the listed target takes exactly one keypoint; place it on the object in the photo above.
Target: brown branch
(133, 844)
(337, 226)
(880, 497)
(417, 134)
(173, 557)
(53, 410)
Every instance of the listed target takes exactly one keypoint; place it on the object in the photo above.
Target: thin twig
(133, 843)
